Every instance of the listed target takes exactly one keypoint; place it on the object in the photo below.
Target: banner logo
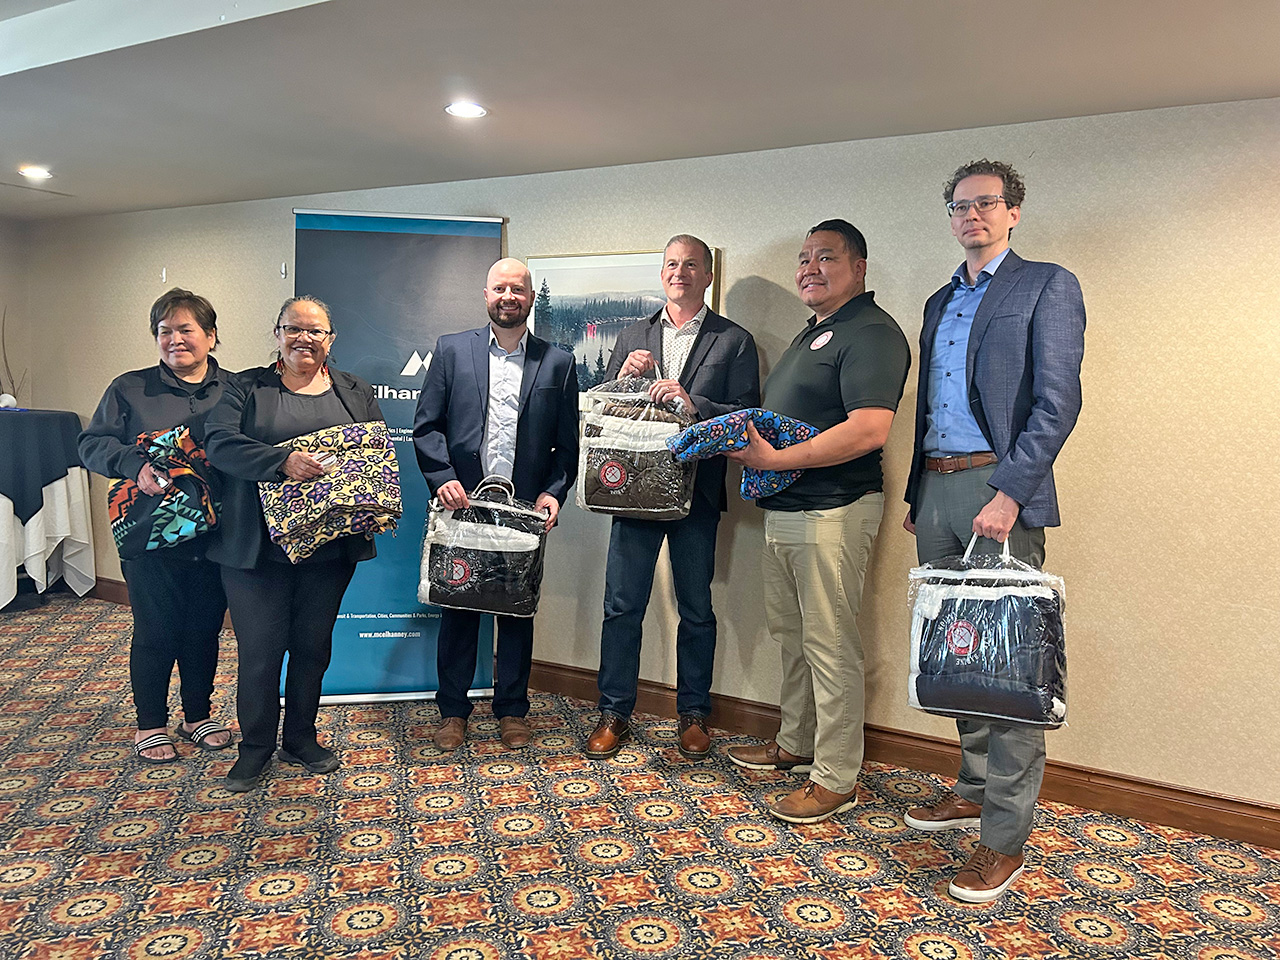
(416, 365)
(613, 474)
(962, 638)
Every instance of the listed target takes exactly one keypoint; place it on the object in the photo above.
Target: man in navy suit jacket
(496, 400)
(709, 364)
(1000, 355)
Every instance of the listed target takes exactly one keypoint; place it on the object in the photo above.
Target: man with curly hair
(1000, 355)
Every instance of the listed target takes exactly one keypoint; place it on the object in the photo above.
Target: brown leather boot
(954, 812)
(769, 756)
(986, 876)
(695, 738)
(812, 803)
(515, 732)
(450, 734)
(608, 737)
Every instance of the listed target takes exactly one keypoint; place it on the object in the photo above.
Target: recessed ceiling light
(32, 172)
(465, 108)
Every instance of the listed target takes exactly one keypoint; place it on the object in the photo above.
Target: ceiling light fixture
(32, 172)
(465, 109)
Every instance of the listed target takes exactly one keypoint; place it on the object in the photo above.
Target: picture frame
(583, 300)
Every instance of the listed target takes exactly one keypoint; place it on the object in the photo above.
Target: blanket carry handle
(974, 539)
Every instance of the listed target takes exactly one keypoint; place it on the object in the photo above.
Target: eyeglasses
(958, 208)
(295, 333)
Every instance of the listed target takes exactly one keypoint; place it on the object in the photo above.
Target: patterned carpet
(488, 854)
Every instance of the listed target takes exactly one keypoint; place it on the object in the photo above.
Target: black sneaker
(244, 776)
(322, 760)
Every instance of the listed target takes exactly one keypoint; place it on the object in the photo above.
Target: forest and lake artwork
(583, 301)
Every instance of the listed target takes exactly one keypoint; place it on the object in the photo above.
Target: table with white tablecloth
(45, 525)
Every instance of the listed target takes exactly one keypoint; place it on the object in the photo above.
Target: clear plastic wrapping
(624, 466)
(987, 640)
(485, 557)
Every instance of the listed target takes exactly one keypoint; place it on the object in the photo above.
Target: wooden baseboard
(1248, 821)
(112, 591)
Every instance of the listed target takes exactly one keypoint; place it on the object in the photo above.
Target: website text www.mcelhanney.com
(389, 634)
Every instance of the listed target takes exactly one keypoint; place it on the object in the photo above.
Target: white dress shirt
(506, 374)
(678, 341)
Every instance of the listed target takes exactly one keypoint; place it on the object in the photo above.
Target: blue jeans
(628, 581)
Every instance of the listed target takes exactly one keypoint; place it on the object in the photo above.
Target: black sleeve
(873, 370)
(225, 442)
(105, 446)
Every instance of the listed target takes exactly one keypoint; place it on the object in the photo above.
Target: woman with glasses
(278, 606)
(175, 592)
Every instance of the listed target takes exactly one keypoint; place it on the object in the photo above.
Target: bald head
(508, 293)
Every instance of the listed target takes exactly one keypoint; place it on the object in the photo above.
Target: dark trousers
(278, 608)
(178, 606)
(456, 650)
(628, 582)
(1001, 764)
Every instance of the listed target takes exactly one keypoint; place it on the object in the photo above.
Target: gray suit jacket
(1023, 373)
(721, 375)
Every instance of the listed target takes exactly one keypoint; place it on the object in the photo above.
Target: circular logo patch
(613, 474)
(962, 638)
(821, 340)
(459, 572)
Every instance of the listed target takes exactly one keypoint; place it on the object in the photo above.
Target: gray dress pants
(1001, 764)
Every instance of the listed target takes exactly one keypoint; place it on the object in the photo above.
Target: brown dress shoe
(695, 738)
(812, 803)
(986, 876)
(608, 737)
(953, 813)
(515, 732)
(769, 756)
(450, 734)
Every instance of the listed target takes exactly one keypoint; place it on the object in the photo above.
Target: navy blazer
(721, 375)
(251, 397)
(1023, 373)
(448, 429)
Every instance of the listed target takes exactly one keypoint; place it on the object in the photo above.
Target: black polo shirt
(858, 357)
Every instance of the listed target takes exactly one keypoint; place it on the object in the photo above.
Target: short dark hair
(1014, 190)
(693, 241)
(305, 298)
(854, 241)
(178, 299)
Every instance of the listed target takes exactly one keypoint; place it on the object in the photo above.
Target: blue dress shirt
(950, 427)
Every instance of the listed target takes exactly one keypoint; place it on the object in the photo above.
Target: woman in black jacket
(175, 592)
(278, 606)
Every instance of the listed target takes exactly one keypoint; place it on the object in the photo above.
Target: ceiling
(138, 104)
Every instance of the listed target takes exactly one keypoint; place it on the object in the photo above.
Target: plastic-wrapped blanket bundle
(987, 640)
(360, 493)
(187, 508)
(729, 432)
(624, 466)
(485, 557)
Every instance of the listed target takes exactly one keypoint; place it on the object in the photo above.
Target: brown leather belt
(959, 462)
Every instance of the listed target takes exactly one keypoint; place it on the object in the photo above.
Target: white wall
(1171, 220)
(13, 286)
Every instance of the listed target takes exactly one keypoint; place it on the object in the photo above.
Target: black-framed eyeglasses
(958, 208)
(294, 333)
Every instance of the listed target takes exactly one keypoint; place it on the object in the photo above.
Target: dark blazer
(721, 375)
(241, 538)
(448, 429)
(1023, 373)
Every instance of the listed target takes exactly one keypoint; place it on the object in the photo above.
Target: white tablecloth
(56, 542)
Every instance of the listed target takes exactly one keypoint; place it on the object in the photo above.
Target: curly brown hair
(1014, 189)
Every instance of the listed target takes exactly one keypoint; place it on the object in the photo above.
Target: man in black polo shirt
(843, 374)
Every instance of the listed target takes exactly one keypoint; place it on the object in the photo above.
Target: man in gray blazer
(1000, 355)
(709, 364)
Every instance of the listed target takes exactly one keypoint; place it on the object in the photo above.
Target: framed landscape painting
(583, 301)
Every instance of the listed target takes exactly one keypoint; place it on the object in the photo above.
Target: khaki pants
(814, 565)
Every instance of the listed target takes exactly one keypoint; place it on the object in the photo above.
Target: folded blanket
(723, 434)
(359, 495)
(186, 509)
